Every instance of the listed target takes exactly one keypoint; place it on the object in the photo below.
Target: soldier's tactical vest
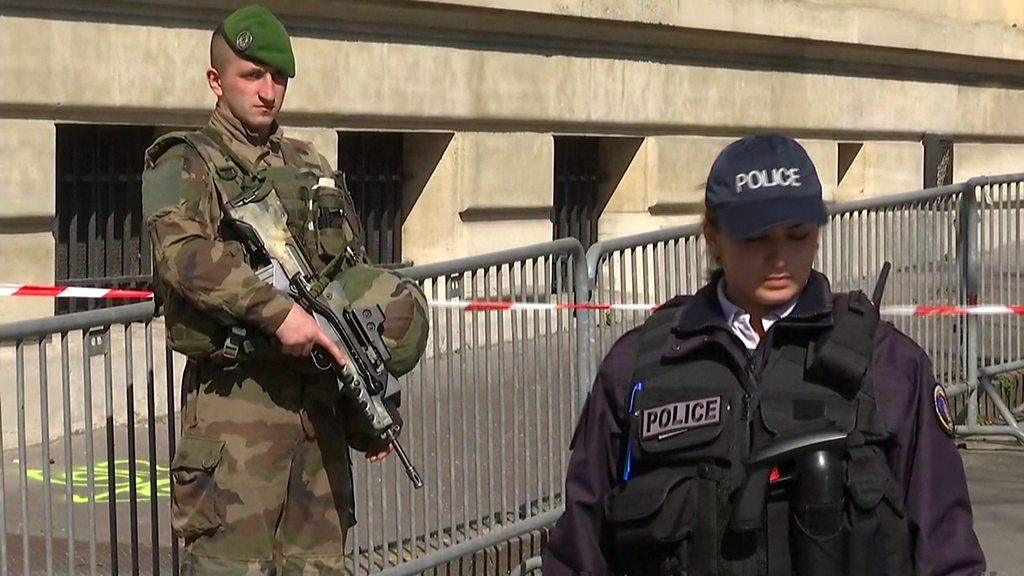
(694, 423)
(323, 219)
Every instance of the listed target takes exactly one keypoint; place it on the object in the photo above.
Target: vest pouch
(784, 412)
(879, 537)
(818, 538)
(336, 221)
(652, 512)
(294, 188)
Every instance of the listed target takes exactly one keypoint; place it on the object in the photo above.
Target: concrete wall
(979, 28)
(393, 83)
(479, 87)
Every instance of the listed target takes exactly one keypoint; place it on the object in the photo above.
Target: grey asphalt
(995, 476)
(995, 471)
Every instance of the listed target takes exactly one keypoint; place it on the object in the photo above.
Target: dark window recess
(101, 238)
(372, 163)
(938, 160)
(577, 175)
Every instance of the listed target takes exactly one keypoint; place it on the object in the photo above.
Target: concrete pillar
(973, 159)
(504, 185)
(429, 198)
(27, 186)
(878, 168)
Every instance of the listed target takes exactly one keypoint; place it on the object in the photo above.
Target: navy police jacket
(922, 456)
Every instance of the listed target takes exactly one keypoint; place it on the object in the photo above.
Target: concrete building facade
(492, 105)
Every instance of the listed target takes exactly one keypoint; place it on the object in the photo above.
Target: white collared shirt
(739, 320)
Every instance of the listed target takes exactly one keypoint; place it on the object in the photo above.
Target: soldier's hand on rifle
(380, 452)
(299, 333)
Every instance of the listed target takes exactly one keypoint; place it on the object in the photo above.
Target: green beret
(256, 34)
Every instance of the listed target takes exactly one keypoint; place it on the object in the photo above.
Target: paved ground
(995, 472)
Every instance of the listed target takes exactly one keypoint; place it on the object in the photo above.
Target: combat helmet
(406, 324)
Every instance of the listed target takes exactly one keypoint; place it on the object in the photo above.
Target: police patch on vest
(942, 411)
(664, 421)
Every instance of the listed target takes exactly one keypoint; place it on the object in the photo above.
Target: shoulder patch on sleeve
(161, 183)
(942, 410)
(178, 175)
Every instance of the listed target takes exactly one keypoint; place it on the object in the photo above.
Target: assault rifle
(258, 219)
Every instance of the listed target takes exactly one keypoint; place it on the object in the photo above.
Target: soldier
(261, 478)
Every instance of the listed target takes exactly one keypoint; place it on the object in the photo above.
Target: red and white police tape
(500, 305)
(503, 305)
(72, 292)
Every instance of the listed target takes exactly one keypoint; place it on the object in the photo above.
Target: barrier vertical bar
(44, 428)
(108, 398)
(22, 455)
(171, 440)
(133, 501)
(90, 447)
(3, 497)
(154, 495)
(969, 222)
(65, 372)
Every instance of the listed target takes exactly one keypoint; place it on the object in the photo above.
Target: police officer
(763, 359)
(261, 478)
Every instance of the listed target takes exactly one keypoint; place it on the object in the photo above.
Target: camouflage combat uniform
(261, 479)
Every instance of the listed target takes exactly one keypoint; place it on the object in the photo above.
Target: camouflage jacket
(202, 275)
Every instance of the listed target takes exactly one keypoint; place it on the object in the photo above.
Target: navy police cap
(762, 181)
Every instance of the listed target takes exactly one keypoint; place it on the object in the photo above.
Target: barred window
(101, 238)
(575, 208)
(938, 160)
(372, 163)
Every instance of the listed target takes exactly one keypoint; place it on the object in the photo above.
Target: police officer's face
(252, 92)
(766, 271)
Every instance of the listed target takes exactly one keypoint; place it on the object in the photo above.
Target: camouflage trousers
(261, 478)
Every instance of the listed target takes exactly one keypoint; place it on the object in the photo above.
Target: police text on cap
(767, 179)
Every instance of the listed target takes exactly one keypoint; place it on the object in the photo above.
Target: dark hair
(709, 219)
(216, 57)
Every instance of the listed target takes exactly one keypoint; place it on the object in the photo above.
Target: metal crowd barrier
(991, 274)
(490, 409)
(80, 372)
(646, 268)
(918, 232)
(488, 414)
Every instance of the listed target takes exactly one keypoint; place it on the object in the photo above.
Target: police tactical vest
(696, 419)
(322, 219)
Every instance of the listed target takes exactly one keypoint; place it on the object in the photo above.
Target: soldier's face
(767, 271)
(252, 92)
